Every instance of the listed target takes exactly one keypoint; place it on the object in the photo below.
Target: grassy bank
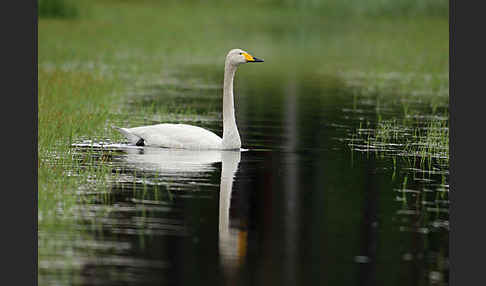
(71, 105)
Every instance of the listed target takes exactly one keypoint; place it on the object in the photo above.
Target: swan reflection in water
(232, 241)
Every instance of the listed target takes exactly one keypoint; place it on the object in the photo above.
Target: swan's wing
(177, 136)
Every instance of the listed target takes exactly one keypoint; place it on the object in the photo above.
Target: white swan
(183, 136)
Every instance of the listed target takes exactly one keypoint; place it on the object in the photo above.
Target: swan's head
(238, 56)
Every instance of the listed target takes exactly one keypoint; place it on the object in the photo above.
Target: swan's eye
(241, 53)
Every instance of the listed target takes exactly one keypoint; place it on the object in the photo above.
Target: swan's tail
(132, 138)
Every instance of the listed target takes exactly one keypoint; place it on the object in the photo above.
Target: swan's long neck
(231, 137)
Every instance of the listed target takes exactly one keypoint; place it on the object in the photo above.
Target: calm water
(299, 207)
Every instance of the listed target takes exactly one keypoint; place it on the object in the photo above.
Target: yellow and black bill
(250, 59)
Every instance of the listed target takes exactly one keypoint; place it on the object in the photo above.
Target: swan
(183, 136)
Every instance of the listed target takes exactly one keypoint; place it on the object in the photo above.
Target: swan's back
(168, 135)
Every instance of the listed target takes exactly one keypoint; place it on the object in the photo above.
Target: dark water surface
(299, 207)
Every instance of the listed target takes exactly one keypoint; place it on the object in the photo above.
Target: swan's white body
(183, 136)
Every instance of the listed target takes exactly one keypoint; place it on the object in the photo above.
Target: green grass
(433, 143)
(57, 9)
(71, 104)
(425, 141)
(152, 34)
(391, 8)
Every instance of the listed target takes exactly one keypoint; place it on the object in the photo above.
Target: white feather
(181, 136)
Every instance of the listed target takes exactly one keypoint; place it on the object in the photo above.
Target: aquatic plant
(402, 139)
